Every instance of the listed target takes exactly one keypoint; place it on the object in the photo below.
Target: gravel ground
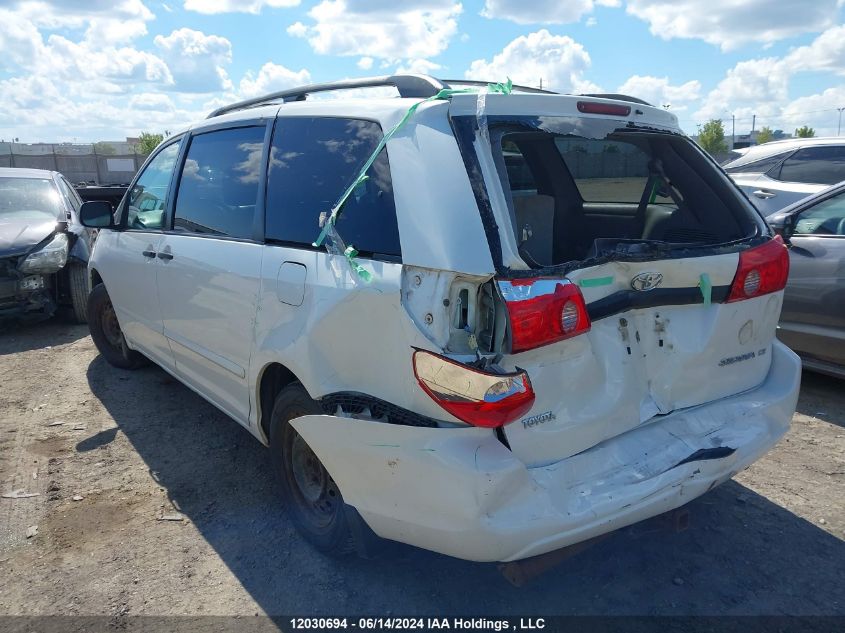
(150, 501)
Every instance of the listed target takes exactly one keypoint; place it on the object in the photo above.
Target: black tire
(105, 330)
(312, 499)
(77, 277)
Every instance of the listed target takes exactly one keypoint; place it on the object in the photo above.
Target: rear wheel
(106, 332)
(77, 276)
(311, 496)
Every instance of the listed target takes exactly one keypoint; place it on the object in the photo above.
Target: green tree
(712, 137)
(765, 135)
(147, 142)
(805, 132)
(103, 148)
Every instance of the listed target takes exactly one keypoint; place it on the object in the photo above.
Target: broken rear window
(576, 187)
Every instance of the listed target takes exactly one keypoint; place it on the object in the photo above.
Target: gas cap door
(290, 283)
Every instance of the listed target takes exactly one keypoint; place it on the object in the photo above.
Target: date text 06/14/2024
(417, 624)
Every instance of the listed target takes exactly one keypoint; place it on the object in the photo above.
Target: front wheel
(106, 332)
(77, 275)
(311, 496)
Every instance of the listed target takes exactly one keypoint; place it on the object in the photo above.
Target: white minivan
(535, 318)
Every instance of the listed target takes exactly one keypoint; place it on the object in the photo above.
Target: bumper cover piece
(460, 492)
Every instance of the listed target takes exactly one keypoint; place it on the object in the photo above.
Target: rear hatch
(634, 279)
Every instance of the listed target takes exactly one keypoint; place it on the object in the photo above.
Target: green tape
(446, 93)
(595, 281)
(706, 288)
(362, 272)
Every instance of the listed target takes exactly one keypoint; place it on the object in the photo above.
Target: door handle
(762, 193)
(148, 253)
(165, 256)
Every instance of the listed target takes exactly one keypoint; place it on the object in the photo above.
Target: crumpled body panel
(459, 491)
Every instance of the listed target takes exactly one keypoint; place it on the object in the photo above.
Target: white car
(777, 174)
(560, 319)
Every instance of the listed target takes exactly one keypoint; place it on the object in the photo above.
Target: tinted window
(816, 165)
(145, 204)
(312, 162)
(826, 218)
(218, 189)
(758, 166)
(519, 176)
(608, 170)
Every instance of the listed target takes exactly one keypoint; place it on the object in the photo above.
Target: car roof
(25, 172)
(773, 148)
(348, 98)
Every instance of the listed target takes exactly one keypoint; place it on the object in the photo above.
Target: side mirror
(97, 214)
(783, 225)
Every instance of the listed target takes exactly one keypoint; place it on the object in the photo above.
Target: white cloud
(365, 63)
(151, 101)
(731, 24)
(819, 111)
(825, 53)
(761, 86)
(658, 91)
(196, 61)
(236, 6)
(105, 22)
(380, 28)
(541, 11)
(558, 59)
(418, 66)
(270, 78)
(757, 81)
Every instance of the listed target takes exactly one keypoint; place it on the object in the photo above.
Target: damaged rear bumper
(460, 492)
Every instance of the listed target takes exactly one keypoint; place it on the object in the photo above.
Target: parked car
(776, 174)
(43, 247)
(502, 369)
(813, 318)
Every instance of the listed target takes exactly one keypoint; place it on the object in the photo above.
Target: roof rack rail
(618, 97)
(408, 85)
(473, 82)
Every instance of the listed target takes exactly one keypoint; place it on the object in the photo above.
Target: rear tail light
(543, 311)
(762, 270)
(477, 397)
(596, 107)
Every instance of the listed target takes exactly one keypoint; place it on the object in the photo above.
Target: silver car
(813, 318)
(777, 174)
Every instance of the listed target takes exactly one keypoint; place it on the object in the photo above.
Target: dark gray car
(813, 318)
(43, 247)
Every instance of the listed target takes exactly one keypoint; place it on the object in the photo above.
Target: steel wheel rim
(110, 326)
(318, 494)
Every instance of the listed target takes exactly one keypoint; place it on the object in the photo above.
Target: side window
(826, 218)
(608, 170)
(218, 189)
(145, 202)
(758, 166)
(312, 162)
(519, 176)
(814, 165)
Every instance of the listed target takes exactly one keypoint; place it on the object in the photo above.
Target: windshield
(29, 199)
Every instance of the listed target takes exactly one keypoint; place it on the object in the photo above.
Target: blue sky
(96, 69)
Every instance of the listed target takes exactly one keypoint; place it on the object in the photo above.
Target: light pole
(839, 127)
